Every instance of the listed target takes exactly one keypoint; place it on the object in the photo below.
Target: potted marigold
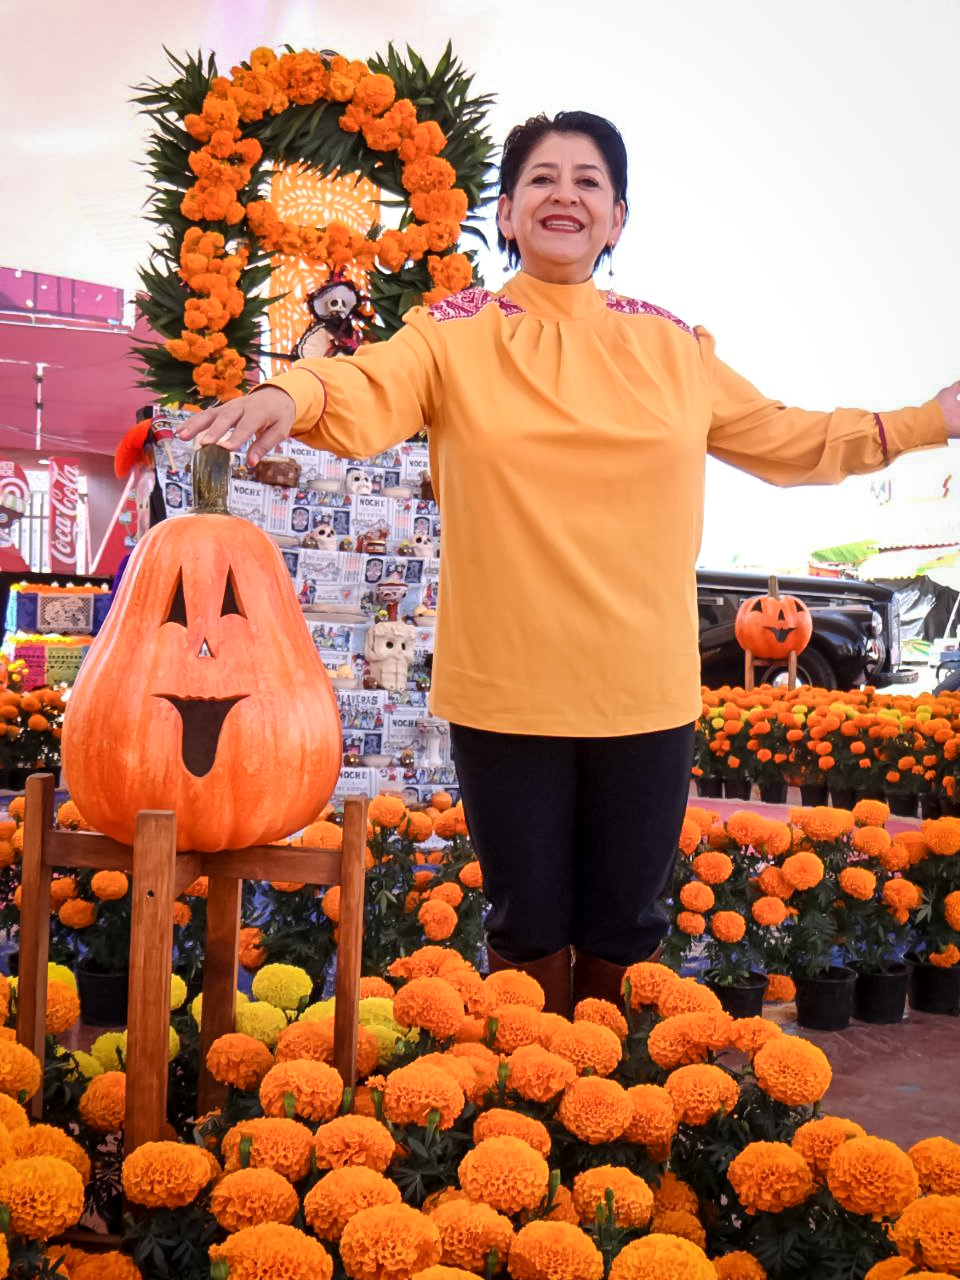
(706, 769)
(768, 758)
(934, 985)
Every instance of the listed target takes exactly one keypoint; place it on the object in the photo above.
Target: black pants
(577, 837)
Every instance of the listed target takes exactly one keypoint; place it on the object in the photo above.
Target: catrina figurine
(335, 331)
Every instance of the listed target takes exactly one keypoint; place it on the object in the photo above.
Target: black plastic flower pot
(812, 794)
(103, 998)
(741, 999)
(932, 989)
(843, 797)
(737, 788)
(930, 807)
(711, 787)
(773, 792)
(902, 806)
(881, 997)
(825, 1003)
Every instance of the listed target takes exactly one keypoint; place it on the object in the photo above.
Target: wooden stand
(748, 673)
(159, 875)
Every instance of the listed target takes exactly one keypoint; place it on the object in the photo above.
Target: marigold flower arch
(415, 134)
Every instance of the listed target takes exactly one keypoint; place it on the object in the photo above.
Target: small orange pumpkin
(773, 626)
(203, 692)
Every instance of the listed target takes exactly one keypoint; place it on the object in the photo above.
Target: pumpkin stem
(773, 586)
(211, 479)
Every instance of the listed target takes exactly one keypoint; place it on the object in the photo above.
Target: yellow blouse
(568, 430)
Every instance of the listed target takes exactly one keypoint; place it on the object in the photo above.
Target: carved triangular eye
(231, 598)
(178, 605)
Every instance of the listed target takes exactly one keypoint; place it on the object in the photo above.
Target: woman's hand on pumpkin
(949, 401)
(264, 418)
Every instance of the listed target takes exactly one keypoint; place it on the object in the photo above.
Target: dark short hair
(522, 139)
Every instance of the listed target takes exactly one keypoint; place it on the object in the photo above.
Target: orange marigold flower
(498, 1122)
(738, 1265)
(825, 823)
(516, 1025)
(313, 1090)
(110, 886)
(471, 877)
(653, 1121)
(47, 1140)
(110, 1265)
(686, 995)
(314, 1039)
(250, 1197)
(43, 1195)
(698, 897)
(769, 911)
(372, 986)
(870, 813)
(872, 1176)
(602, 1012)
(485, 1063)
(727, 926)
(945, 959)
(700, 1091)
(103, 1101)
(239, 1060)
(70, 817)
(748, 1034)
(469, 1232)
(386, 811)
(677, 1222)
(63, 888)
(589, 1047)
(273, 1249)
(691, 833)
(774, 883)
(902, 895)
(506, 1173)
(858, 883)
(712, 867)
(770, 1177)
(77, 913)
(342, 1193)
(538, 1075)
(353, 1140)
(928, 1233)
(647, 981)
(942, 836)
(780, 988)
(951, 909)
(672, 1193)
(870, 840)
(281, 1145)
(513, 986)
(63, 1008)
(692, 923)
(437, 919)
(249, 952)
(595, 1110)
(937, 1162)
(165, 1175)
(555, 1249)
(415, 1090)
(792, 1071)
(747, 827)
(661, 1257)
(802, 870)
(688, 1037)
(632, 1198)
(430, 1003)
(817, 1140)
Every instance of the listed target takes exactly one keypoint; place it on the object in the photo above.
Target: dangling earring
(610, 267)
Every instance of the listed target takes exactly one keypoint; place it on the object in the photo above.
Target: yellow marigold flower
(109, 886)
(602, 1012)
(589, 1047)
(44, 1196)
(697, 897)
(389, 1242)
(430, 1003)
(647, 981)
(727, 926)
(687, 995)
(513, 986)
(700, 1091)
(314, 1089)
(415, 1090)
(595, 1110)
(712, 867)
(282, 985)
(437, 919)
(538, 1075)
(818, 1139)
(353, 1140)
(103, 1101)
(780, 987)
(111, 1265)
(239, 1060)
(858, 883)
(672, 1193)
(165, 1175)
(70, 818)
(555, 1249)
(46, 1140)
(469, 1232)
(77, 913)
(661, 1257)
(273, 1249)
(872, 1176)
(506, 1173)
(688, 1037)
(677, 1222)
(341, 1193)
(12, 1115)
(278, 1144)
(802, 870)
(928, 1233)
(632, 1198)
(769, 911)
(748, 1034)
(653, 1119)
(498, 1122)
(870, 813)
(314, 1040)
(250, 1197)
(738, 1265)
(108, 1049)
(937, 1162)
(792, 1070)
(63, 1008)
(769, 1177)
(178, 991)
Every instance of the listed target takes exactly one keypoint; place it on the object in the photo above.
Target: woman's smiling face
(562, 212)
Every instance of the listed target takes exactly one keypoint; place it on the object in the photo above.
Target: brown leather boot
(600, 979)
(552, 972)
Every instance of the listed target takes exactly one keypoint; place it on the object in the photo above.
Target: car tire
(812, 668)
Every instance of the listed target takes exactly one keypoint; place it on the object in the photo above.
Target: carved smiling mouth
(202, 722)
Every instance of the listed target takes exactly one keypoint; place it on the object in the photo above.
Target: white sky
(795, 174)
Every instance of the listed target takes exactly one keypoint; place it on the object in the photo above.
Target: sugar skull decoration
(203, 691)
(388, 647)
(335, 329)
(356, 481)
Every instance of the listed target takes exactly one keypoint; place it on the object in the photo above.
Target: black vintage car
(856, 631)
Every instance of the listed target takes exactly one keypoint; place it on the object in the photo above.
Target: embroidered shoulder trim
(470, 302)
(634, 307)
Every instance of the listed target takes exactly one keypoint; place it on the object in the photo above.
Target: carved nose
(205, 651)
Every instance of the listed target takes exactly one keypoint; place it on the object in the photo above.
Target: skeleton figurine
(357, 481)
(388, 647)
(334, 331)
(432, 734)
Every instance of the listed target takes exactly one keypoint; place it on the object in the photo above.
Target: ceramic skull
(388, 647)
(357, 481)
(325, 537)
(423, 546)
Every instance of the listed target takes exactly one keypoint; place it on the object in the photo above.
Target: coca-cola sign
(64, 488)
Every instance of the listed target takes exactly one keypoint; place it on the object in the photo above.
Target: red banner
(14, 502)
(64, 490)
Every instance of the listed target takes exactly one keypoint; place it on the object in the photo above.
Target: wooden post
(151, 944)
(792, 669)
(35, 923)
(747, 670)
(350, 940)
(219, 980)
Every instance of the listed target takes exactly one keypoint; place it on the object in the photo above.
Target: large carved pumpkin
(203, 692)
(773, 626)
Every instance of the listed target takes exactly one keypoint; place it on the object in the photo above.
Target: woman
(568, 432)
